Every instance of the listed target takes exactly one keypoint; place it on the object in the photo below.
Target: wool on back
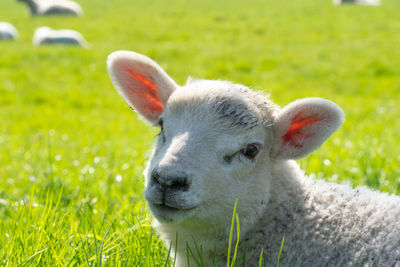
(324, 224)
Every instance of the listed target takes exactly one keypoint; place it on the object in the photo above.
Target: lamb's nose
(178, 183)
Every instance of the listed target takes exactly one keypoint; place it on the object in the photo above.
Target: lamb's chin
(170, 215)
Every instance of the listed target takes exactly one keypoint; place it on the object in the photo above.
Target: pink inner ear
(151, 103)
(294, 135)
(146, 82)
(145, 98)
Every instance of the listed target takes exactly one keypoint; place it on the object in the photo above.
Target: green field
(72, 153)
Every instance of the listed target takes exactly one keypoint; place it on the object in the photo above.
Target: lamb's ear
(141, 82)
(303, 125)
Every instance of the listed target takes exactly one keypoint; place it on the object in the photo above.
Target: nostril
(179, 183)
(175, 183)
(155, 177)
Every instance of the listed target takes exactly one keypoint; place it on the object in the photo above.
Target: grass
(72, 153)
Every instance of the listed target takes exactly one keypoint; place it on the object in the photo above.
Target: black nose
(178, 183)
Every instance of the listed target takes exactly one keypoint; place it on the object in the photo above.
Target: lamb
(47, 36)
(8, 31)
(221, 142)
(358, 2)
(53, 7)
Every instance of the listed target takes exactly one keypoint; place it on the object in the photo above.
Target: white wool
(47, 36)
(202, 163)
(8, 31)
(53, 7)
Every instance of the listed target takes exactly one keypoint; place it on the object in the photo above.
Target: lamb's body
(8, 31)
(221, 142)
(325, 224)
(47, 36)
(53, 7)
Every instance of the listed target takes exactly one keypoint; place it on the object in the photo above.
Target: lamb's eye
(250, 151)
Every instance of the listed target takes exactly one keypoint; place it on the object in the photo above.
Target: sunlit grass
(72, 153)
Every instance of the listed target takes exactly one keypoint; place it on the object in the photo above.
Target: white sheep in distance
(220, 142)
(8, 31)
(53, 7)
(358, 2)
(47, 36)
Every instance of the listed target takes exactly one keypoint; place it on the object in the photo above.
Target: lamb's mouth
(170, 208)
(170, 214)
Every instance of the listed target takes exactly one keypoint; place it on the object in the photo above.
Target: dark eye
(250, 151)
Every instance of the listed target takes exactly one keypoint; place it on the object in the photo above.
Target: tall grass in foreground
(39, 237)
(232, 252)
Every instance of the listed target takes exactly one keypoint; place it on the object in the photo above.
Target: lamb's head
(217, 141)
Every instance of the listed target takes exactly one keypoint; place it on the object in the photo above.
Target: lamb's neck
(287, 195)
(190, 235)
(288, 186)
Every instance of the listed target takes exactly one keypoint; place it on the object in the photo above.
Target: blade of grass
(33, 255)
(214, 256)
(176, 248)
(148, 248)
(136, 226)
(102, 243)
(231, 235)
(169, 252)
(199, 251)
(280, 251)
(261, 256)
(237, 240)
(190, 252)
(244, 248)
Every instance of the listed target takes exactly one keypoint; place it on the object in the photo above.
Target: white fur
(53, 7)
(8, 31)
(48, 36)
(358, 2)
(207, 127)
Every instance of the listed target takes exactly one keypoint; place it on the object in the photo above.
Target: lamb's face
(217, 141)
(213, 143)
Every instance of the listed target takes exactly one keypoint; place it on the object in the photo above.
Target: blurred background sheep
(8, 31)
(358, 2)
(53, 7)
(47, 36)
